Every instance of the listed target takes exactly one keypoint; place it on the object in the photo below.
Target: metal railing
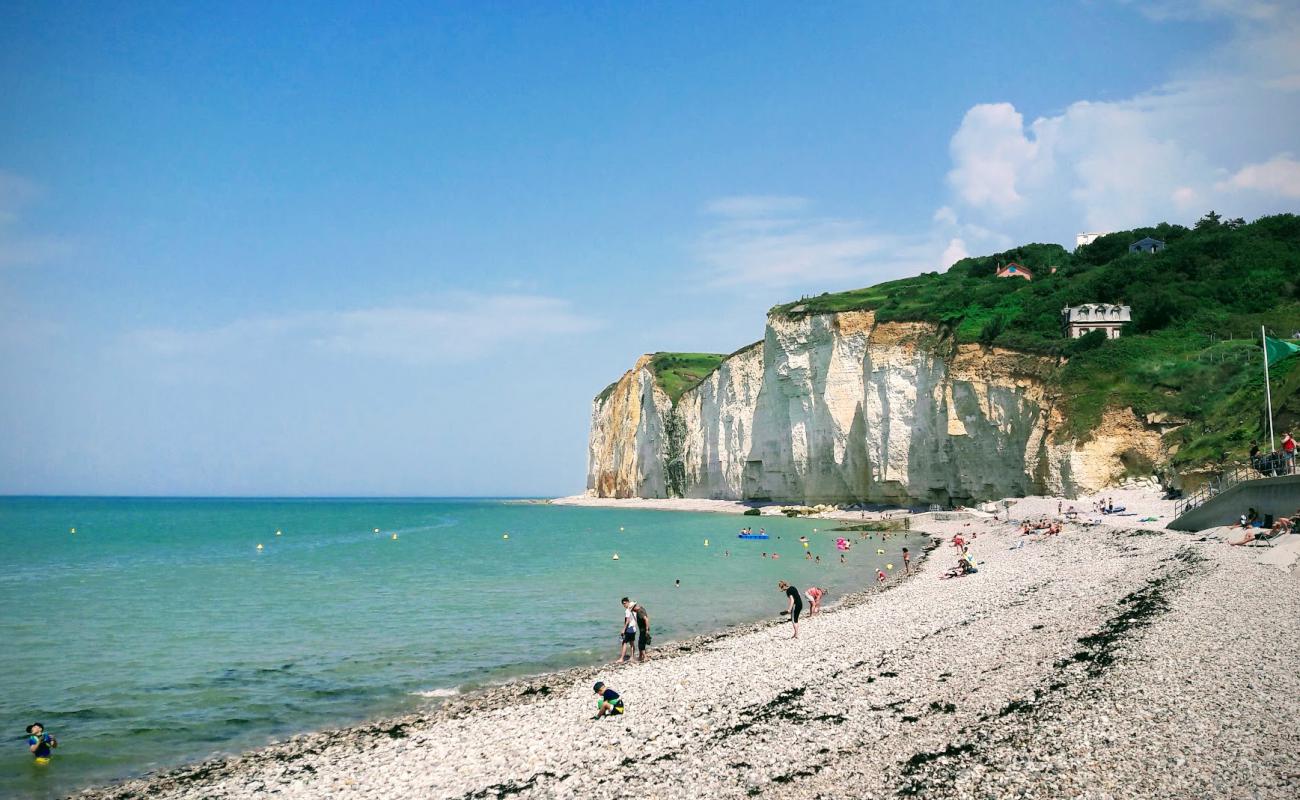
(1220, 484)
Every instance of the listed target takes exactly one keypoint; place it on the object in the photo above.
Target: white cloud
(994, 158)
(450, 328)
(1279, 175)
(766, 249)
(954, 252)
(1168, 154)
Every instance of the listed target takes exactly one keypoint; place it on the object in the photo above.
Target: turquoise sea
(158, 633)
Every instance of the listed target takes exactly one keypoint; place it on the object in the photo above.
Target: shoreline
(1059, 669)
(506, 694)
(1145, 507)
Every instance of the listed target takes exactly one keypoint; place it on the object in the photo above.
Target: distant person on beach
(642, 626)
(40, 743)
(1254, 454)
(907, 562)
(795, 607)
(609, 703)
(627, 635)
(881, 577)
(814, 596)
(1249, 519)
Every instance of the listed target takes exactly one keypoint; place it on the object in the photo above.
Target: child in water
(40, 742)
(609, 703)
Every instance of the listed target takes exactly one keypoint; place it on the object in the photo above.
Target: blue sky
(323, 249)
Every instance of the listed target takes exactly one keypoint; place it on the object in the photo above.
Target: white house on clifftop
(1089, 317)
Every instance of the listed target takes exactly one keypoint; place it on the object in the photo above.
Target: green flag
(1276, 350)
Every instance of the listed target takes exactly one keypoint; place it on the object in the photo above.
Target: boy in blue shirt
(609, 703)
(40, 742)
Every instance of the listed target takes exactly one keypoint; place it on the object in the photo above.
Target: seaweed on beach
(793, 775)
(502, 790)
(923, 759)
(535, 690)
(1140, 608)
(784, 707)
(396, 732)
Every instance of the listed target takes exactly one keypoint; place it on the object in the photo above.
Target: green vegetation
(1187, 354)
(677, 372)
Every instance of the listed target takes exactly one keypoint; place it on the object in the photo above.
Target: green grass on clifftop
(1187, 354)
(677, 372)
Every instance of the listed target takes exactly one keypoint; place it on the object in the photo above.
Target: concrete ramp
(1279, 497)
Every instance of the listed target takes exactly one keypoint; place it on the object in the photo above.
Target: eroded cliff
(840, 408)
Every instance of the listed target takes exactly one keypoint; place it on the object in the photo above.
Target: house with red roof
(1014, 270)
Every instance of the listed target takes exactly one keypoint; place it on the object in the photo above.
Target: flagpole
(1268, 391)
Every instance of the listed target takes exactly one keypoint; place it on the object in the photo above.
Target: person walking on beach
(795, 607)
(642, 626)
(907, 562)
(627, 635)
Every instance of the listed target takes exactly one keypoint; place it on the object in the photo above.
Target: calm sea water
(158, 633)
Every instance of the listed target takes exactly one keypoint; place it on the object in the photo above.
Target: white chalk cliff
(840, 408)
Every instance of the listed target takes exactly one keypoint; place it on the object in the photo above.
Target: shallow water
(158, 634)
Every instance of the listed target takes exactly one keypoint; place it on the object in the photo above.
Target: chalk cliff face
(840, 408)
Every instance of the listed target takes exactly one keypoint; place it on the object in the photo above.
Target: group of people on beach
(1255, 530)
(1043, 526)
(634, 634)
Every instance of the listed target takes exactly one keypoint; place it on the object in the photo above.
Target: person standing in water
(628, 632)
(642, 626)
(40, 743)
(795, 606)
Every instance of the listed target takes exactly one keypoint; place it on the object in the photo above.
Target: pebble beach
(1103, 662)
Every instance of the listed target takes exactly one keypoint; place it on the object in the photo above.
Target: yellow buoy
(889, 566)
(394, 536)
(620, 529)
(259, 545)
(505, 536)
(277, 533)
(615, 557)
(376, 530)
(73, 530)
(805, 545)
(879, 552)
(706, 542)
